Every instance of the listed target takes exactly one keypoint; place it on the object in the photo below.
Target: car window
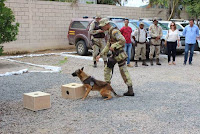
(121, 24)
(80, 24)
(164, 26)
(179, 27)
(112, 24)
(184, 24)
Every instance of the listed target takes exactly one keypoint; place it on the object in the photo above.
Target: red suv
(79, 36)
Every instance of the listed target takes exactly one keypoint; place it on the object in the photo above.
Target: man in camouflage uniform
(116, 44)
(155, 32)
(98, 39)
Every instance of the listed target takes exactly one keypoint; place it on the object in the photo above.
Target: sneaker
(129, 65)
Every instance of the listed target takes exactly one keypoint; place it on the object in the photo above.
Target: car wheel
(81, 48)
(163, 48)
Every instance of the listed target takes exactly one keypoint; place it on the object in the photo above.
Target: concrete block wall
(44, 24)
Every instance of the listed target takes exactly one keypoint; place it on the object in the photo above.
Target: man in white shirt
(140, 36)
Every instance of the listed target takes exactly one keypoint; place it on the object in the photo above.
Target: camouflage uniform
(98, 43)
(155, 31)
(117, 42)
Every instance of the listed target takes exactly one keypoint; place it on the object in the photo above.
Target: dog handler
(116, 44)
(98, 39)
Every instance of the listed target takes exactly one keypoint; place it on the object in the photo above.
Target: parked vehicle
(79, 36)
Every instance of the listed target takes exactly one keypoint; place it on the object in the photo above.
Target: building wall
(44, 24)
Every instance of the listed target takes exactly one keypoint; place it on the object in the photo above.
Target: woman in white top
(171, 41)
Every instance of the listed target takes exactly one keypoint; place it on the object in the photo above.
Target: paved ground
(167, 100)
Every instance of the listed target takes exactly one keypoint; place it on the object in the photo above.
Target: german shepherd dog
(90, 83)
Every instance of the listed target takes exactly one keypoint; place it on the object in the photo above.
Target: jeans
(171, 48)
(187, 48)
(127, 49)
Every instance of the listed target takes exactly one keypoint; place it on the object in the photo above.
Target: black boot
(105, 63)
(144, 63)
(95, 64)
(151, 62)
(129, 92)
(136, 65)
(157, 62)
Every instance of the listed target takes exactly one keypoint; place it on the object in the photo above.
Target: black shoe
(95, 64)
(190, 64)
(184, 63)
(144, 63)
(151, 62)
(136, 65)
(129, 92)
(157, 62)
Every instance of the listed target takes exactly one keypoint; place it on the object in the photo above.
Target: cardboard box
(36, 100)
(73, 91)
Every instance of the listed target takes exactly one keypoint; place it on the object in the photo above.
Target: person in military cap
(115, 44)
(140, 36)
(155, 32)
(98, 39)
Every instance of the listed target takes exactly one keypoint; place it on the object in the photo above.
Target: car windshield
(184, 24)
(164, 26)
(121, 24)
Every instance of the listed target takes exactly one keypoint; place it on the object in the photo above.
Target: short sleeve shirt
(126, 32)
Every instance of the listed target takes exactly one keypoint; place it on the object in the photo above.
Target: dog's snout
(74, 74)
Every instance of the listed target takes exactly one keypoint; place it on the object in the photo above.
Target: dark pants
(171, 48)
(189, 47)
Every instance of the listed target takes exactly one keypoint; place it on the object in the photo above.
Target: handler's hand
(111, 49)
(97, 58)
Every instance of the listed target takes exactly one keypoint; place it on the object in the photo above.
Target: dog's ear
(82, 68)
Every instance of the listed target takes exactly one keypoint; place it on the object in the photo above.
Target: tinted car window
(80, 24)
(121, 24)
(164, 26)
(178, 27)
(112, 24)
(184, 24)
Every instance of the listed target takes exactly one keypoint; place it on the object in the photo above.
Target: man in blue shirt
(191, 32)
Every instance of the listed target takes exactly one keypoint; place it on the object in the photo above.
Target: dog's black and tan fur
(90, 83)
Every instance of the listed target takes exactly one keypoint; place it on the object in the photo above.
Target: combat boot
(151, 62)
(105, 63)
(129, 92)
(144, 63)
(157, 62)
(95, 64)
(136, 65)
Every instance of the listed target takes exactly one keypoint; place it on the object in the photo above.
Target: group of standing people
(119, 43)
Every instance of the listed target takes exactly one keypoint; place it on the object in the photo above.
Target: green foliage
(8, 30)
(192, 7)
(163, 3)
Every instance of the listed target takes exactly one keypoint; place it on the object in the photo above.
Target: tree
(8, 30)
(172, 6)
(192, 8)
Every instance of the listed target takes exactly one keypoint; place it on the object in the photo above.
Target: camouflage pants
(98, 46)
(140, 49)
(156, 49)
(124, 73)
